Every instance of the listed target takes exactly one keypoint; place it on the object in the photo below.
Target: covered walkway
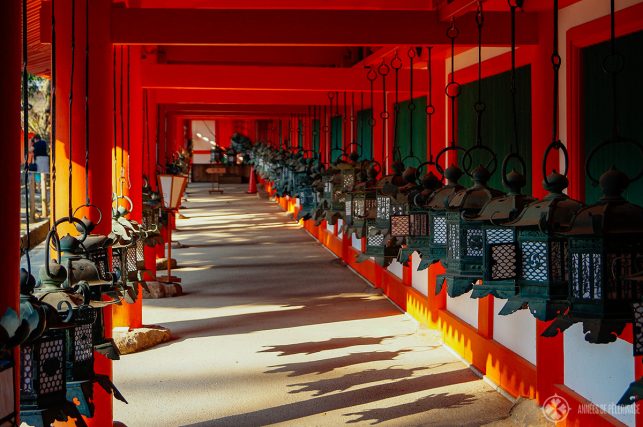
(273, 329)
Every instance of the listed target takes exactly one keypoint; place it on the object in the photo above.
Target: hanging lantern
(464, 235)
(605, 257)
(363, 200)
(381, 245)
(12, 333)
(500, 251)
(418, 237)
(43, 361)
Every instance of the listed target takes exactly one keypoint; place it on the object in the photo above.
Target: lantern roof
(472, 199)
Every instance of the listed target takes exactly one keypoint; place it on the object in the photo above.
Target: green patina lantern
(418, 237)
(333, 200)
(541, 250)
(604, 261)
(500, 243)
(364, 201)
(305, 191)
(43, 357)
(381, 245)
(465, 235)
(437, 206)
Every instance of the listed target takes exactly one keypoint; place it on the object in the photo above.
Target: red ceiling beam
(252, 77)
(263, 97)
(307, 27)
(292, 4)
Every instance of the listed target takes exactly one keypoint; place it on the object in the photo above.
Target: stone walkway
(274, 330)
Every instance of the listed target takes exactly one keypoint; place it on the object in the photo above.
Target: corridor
(272, 329)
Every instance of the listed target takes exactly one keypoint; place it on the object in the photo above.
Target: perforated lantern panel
(474, 242)
(383, 207)
(131, 258)
(453, 246)
(586, 275)
(348, 180)
(359, 206)
(349, 207)
(400, 225)
(419, 224)
(534, 261)
(26, 369)
(504, 258)
(374, 239)
(638, 328)
(140, 250)
(83, 342)
(99, 257)
(51, 365)
(439, 229)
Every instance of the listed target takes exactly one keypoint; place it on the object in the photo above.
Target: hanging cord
(52, 108)
(479, 106)
(345, 122)
(25, 130)
(384, 70)
(372, 76)
(337, 128)
(129, 115)
(411, 106)
(87, 134)
(430, 108)
(556, 61)
(323, 142)
(396, 64)
(114, 123)
(71, 104)
(360, 127)
(453, 87)
(146, 133)
(158, 137)
(353, 122)
(613, 69)
(329, 125)
(513, 5)
(122, 120)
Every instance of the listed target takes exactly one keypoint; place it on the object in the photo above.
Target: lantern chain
(396, 64)
(479, 107)
(372, 76)
(52, 107)
(25, 129)
(353, 125)
(453, 87)
(114, 122)
(412, 53)
(129, 115)
(71, 104)
(384, 70)
(430, 108)
(360, 127)
(87, 133)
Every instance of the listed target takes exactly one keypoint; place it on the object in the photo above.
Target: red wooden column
(131, 315)
(10, 29)
(100, 120)
(550, 361)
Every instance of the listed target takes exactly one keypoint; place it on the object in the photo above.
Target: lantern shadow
(361, 396)
(424, 404)
(319, 346)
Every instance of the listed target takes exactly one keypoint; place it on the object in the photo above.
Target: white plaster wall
(357, 243)
(200, 159)
(297, 203)
(340, 224)
(517, 331)
(329, 227)
(465, 307)
(419, 279)
(395, 268)
(599, 372)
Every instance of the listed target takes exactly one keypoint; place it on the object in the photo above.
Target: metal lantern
(418, 237)
(541, 252)
(437, 205)
(364, 202)
(12, 333)
(333, 197)
(43, 361)
(464, 235)
(500, 243)
(381, 244)
(604, 261)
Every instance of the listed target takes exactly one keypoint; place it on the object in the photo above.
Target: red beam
(262, 97)
(305, 27)
(185, 76)
(292, 4)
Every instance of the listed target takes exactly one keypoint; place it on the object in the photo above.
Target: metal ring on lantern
(617, 140)
(91, 205)
(442, 153)
(467, 159)
(555, 145)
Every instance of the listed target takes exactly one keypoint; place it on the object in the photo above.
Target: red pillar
(100, 120)
(131, 315)
(10, 19)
